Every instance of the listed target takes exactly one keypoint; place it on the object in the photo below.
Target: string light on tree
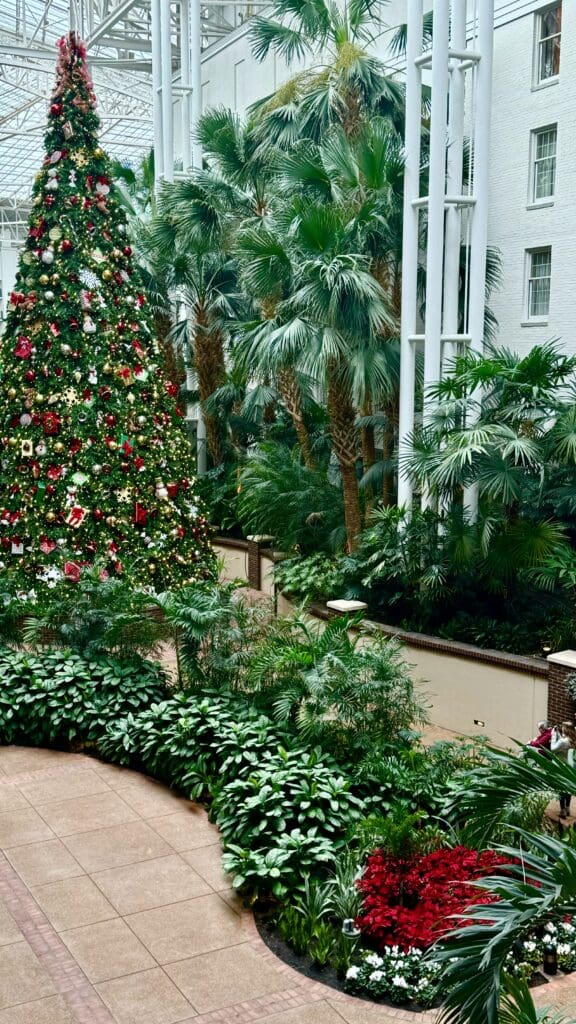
(86, 442)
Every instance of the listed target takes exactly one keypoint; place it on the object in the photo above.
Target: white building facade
(532, 207)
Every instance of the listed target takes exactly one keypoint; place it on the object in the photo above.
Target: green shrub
(57, 697)
(309, 579)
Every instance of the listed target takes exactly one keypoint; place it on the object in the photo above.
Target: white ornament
(92, 375)
(47, 256)
(102, 190)
(41, 449)
(89, 327)
(89, 278)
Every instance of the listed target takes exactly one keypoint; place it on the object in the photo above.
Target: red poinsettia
(412, 902)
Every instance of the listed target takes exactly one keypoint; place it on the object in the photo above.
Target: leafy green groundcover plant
(282, 808)
(57, 697)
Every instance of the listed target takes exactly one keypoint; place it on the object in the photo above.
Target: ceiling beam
(116, 15)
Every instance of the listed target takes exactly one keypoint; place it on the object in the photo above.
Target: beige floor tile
(41, 1011)
(73, 902)
(23, 825)
(84, 813)
(146, 998)
(11, 798)
(225, 977)
(357, 1013)
(14, 760)
(63, 787)
(113, 847)
(233, 899)
(151, 799)
(9, 930)
(184, 929)
(40, 863)
(115, 776)
(207, 861)
(316, 1013)
(22, 977)
(186, 830)
(107, 950)
(153, 883)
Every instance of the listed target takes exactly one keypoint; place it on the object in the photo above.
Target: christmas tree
(96, 466)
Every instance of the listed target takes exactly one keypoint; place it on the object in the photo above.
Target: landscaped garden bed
(354, 844)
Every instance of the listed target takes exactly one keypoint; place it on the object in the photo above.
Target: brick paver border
(66, 975)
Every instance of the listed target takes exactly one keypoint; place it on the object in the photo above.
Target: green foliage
(281, 497)
(336, 688)
(58, 697)
(309, 579)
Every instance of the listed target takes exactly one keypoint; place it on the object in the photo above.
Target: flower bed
(411, 903)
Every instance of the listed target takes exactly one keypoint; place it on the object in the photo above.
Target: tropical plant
(338, 690)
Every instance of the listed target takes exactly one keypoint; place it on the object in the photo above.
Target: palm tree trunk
(290, 392)
(211, 372)
(345, 446)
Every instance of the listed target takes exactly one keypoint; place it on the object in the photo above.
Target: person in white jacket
(563, 743)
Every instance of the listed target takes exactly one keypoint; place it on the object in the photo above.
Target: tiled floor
(114, 909)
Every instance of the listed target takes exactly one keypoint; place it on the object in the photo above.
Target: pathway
(114, 910)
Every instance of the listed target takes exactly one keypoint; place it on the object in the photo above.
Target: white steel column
(196, 76)
(480, 183)
(186, 84)
(167, 111)
(410, 243)
(436, 197)
(480, 174)
(157, 90)
(455, 162)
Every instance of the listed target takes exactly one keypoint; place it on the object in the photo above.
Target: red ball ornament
(127, 250)
(73, 200)
(66, 245)
(97, 514)
(49, 201)
(58, 370)
(56, 109)
(30, 376)
(110, 419)
(50, 488)
(105, 393)
(172, 489)
(124, 466)
(121, 327)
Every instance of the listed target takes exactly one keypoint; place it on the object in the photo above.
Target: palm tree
(347, 83)
(522, 430)
(537, 887)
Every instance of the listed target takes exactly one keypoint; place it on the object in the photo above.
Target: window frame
(538, 81)
(548, 200)
(536, 318)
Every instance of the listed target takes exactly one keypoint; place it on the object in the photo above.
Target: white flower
(376, 976)
(564, 949)
(374, 960)
(530, 946)
(352, 972)
(399, 981)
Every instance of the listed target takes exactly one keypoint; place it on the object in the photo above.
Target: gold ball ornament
(58, 447)
(111, 520)
(44, 279)
(112, 446)
(98, 153)
(12, 392)
(55, 278)
(152, 566)
(107, 368)
(106, 274)
(12, 442)
(141, 439)
(39, 397)
(50, 517)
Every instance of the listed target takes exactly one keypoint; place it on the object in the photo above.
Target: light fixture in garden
(349, 928)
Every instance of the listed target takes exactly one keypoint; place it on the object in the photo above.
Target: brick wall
(561, 707)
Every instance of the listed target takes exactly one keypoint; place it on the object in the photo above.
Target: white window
(543, 163)
(539, 274)
(548, 29)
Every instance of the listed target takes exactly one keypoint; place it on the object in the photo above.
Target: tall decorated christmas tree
(96, 466)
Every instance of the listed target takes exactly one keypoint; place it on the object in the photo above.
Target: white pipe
(412, 143)
(454, 183)
(437, 192)
(196, 76)
(185, 100)
(157, 91)
(480, 179)
(166, 68)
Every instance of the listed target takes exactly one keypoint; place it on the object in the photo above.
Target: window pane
(539, 283)
(550, 57)
(544, 163)
(551, 22)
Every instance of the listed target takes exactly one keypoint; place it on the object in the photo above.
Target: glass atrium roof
(117, 33)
